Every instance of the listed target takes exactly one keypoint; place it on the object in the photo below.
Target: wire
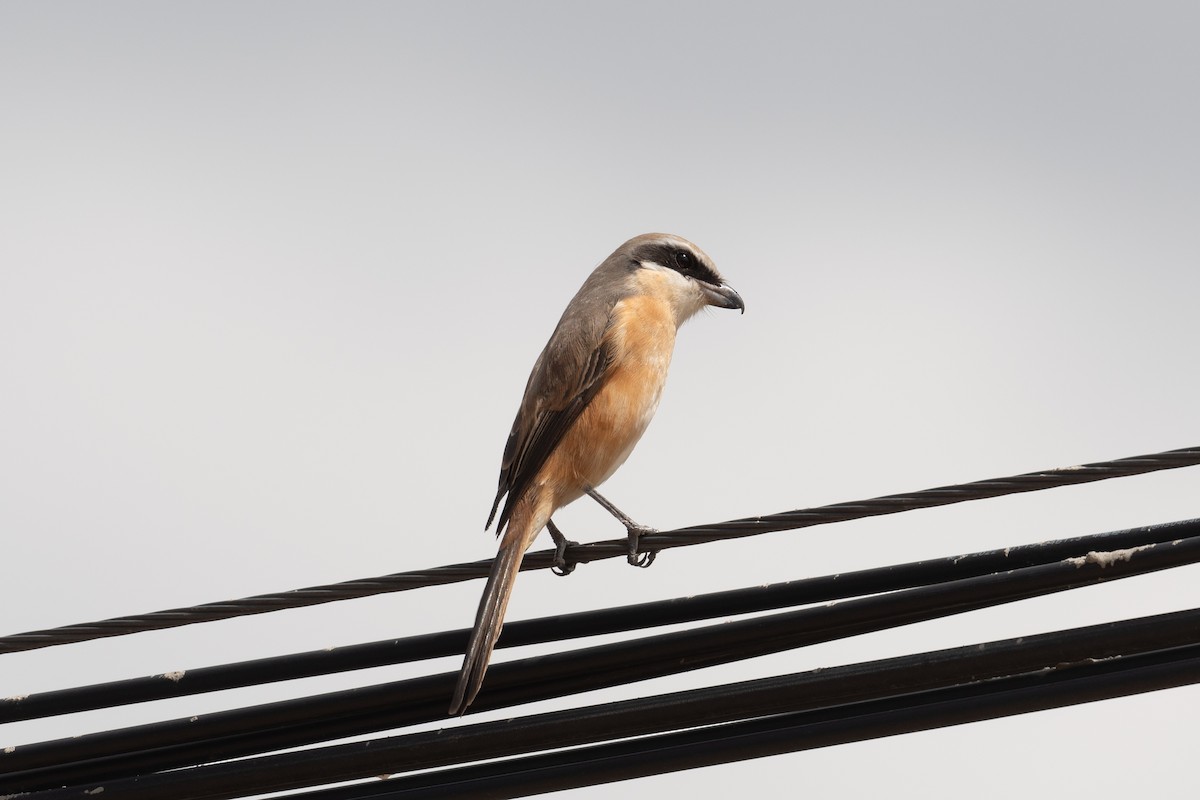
(750, 526)
(804, 697)
(591, 623)
(179, 743)
(973, 702)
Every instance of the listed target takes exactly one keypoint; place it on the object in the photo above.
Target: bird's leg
(561, 543)
(633, 529)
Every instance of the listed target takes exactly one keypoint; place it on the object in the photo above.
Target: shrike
(591, 394)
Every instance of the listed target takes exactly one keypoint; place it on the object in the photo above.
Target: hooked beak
(723, 296)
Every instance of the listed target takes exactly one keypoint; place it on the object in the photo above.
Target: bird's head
(682, 270)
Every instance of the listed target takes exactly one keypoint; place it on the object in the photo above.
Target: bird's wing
(568, 374)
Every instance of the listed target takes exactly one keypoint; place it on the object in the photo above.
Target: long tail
(488, 621)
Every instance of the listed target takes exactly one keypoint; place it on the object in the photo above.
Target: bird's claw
(636, 558)
(643, 560)
(562, 567)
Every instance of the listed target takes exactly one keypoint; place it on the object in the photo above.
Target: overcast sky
(272, 277)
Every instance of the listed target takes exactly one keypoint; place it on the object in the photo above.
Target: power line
(975, 701)
(1149, 652)
(583, 624)
(750, 526)
(117, 754)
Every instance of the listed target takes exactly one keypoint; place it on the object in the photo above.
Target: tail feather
(488, 622)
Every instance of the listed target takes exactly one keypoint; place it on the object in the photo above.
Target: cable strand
(596, 551)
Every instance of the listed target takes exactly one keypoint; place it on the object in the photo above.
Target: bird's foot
(561, 567)
(635, 531)
(635, 557)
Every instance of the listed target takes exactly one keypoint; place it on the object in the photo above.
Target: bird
(591, 394)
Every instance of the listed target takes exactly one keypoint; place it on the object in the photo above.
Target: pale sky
(273, 275)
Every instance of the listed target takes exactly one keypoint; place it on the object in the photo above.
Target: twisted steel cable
(584, 624)
(596, 551)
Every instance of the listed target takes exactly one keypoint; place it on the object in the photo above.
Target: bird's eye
(684, 258)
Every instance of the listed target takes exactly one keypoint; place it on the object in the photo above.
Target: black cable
(596, 551)
(816, 690)
(619, 761)
(115, 754)
(590, 623)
